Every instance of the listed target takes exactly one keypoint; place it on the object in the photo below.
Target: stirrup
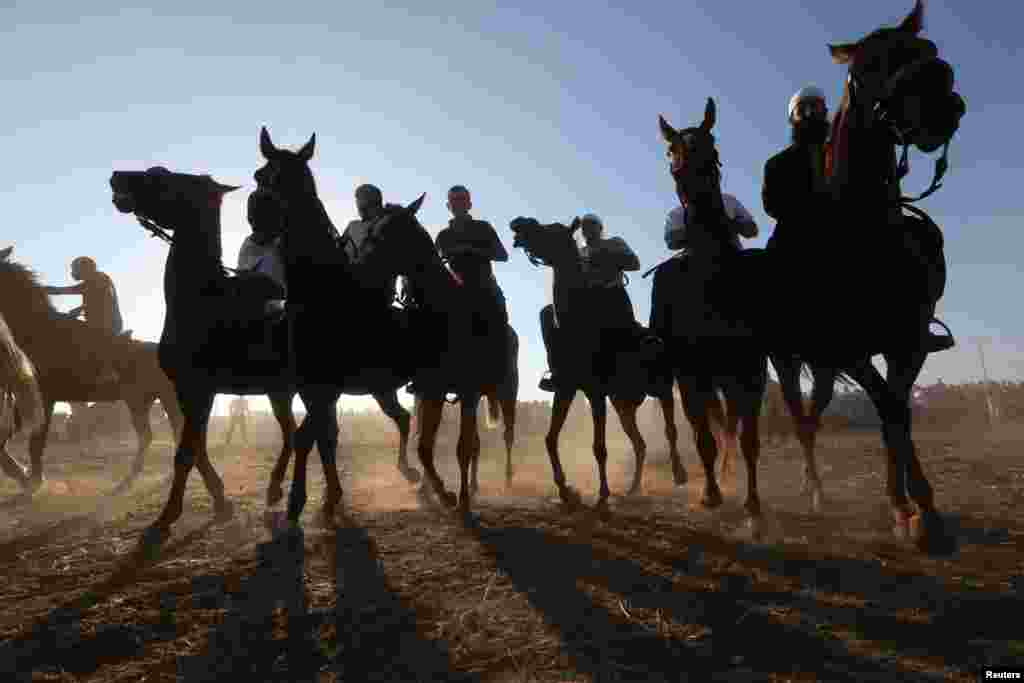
(938, 342)
(547, 382)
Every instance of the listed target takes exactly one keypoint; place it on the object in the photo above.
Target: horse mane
(23, 296)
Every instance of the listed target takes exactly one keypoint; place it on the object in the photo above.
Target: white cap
(810, 92)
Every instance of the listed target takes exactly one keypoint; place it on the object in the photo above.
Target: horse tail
(19, 380)
(841, 377)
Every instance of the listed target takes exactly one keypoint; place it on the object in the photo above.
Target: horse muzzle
(124, 202)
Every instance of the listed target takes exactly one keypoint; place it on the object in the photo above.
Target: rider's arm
(624, 256)
(75, 312)
(772, 193)
(498, 252)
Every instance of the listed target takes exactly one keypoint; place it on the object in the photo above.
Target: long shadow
(547, 567)
(56, 640)
(377, 634)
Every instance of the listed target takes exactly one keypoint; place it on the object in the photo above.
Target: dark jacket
(790, 197)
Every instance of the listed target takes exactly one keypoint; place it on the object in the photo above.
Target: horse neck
(310, 233)
(864, 177)
(709, 209)
(567, 284)
(194, 261)
(24, 302)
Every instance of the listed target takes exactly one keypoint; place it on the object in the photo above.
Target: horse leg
(599, 413)
(36, 446)
(281, 404)
(139, 407)
(430, 413)
(821, 396)
(390, 406)
(927, 527)
(698, 395)
(626, 410)
(877, 389)
(12, 468)
(327, 446)
(559, 412)
(196, 407)
(788, 370)
(223, 509)
(469, 445)
(726, 424)
(508, 419)
(668, 411)
(305, 436)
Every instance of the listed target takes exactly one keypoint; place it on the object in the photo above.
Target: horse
(61, 348)
(21, 401)
(602, 362)
(898, 91)
(446, 360)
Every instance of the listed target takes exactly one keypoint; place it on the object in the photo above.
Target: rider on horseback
(101, 311)
(604, 261)
(470, 245)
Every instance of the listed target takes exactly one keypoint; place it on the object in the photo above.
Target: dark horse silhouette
(21, 402)
(603, 363)
(448, 357)
(61, 349)
(211, 316)
(898, 91)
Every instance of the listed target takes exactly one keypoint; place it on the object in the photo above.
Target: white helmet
(810, 92)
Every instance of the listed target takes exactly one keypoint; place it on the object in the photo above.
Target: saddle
(253, 297)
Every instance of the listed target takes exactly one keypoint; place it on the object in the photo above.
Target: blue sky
(545, 109)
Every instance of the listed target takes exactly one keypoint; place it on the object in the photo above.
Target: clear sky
(545, 109)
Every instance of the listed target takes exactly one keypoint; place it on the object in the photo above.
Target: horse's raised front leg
(138, 407)
(327, 446)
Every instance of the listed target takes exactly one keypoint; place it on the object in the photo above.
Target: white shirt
(743, 222)
(239, 408)
(264, 259)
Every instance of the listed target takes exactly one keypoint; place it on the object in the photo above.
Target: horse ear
(266, 146)
(844, 53)
(709, 116)
(915, 20)
(6, 253)
(667, 131)
(415, 206)
(306, 153)
(224, 189)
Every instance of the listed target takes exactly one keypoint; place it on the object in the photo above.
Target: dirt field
(663, 591)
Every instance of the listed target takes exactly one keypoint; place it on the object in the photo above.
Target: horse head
(171, 200)
(693, 158)
(551, 245)
(897, 77)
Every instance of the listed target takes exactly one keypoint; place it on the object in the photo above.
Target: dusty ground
(662, 591)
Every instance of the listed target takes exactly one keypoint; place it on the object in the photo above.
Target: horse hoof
(274, 495)
(153, 537)
(411, 474)
(35, 483)
(326, 519)
(570, 499)
(450, 499)
(225, 512)
(754, 527)
(679, 476)
(931, 537)
(604, 512)
(711, 499)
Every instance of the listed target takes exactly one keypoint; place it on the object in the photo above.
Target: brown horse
(898, 91)
(62, 350)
